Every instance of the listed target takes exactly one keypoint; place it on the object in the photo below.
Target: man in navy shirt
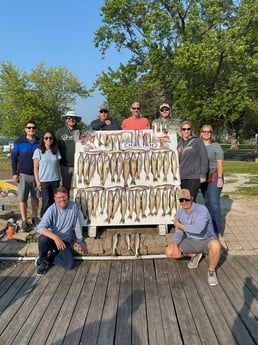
(22, 171)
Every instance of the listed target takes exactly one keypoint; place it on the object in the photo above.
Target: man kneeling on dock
(56, 228)
(194, 235)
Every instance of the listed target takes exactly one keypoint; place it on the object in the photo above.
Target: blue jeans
(47, 194)
(63, 258)
(211, 194)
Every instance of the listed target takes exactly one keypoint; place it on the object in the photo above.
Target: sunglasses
(183, 199)
(48, 138)
(186, 129)
(136, 108)
(29, 127)
(164, 109)
(103, 111)
(206, 131)
(71, 118)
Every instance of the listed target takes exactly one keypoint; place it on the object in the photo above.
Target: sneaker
(194, 262)
(37, 264)
(25, 226)
(35, 221)
(42, 269)
(212, 278)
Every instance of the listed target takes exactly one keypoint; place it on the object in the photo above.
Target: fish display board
(127, 178)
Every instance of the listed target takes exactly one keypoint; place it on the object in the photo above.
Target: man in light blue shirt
(56, 228)
(194, 235)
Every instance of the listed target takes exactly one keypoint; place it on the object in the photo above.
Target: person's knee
(169, 252)
(214, 246)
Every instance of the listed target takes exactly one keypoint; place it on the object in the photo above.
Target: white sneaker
(194, 262)
(212, 278)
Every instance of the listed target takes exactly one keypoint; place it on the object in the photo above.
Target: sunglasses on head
(164, 109)
(184, 199)
(48, 138)
(103, 111)
(136, 108)
(186, 129)
(30, 127)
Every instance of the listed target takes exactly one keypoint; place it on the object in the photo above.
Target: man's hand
(108, 122)
(80, 247)
(59, 243)
(16, 178)
(173, 251)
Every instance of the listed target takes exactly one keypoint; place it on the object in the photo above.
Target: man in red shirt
(136, 121)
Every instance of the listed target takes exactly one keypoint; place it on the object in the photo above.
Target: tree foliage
(43, 95)
(201, 56)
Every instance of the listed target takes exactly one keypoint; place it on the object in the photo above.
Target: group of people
(47, 163)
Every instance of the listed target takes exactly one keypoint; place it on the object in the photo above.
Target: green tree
(43, 95)
(201, 56)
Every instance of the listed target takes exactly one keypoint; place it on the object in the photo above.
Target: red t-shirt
(136, 123)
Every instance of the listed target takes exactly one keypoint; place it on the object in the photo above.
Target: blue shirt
(197, 223)
(62, 221)
(48, 165)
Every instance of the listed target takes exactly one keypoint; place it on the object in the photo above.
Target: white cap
(71, 113)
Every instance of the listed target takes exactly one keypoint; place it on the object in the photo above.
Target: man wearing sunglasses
(66, 137)
(23, 173)
(194, 236)
(104, 122)
(136, 121)
(165, 122)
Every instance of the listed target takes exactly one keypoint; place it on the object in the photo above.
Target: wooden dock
(138, 302)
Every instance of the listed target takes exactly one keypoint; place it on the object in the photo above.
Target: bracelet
(219, 176)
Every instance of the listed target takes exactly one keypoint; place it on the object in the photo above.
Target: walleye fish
(89, 204)
(154, 166)
(137, 205)
(103, 198)
(119, 167)
(123, 208)
(95, 203)
(139, 166)
(114, 244)
(84, 204)
(106, 167)
(164, 201)
(157, 201)
(159, 163)
(92, 167)
(151, 201)
(165, 166)
(130, 203)
(109, 206)
(113, 167)
(100, 166)
(140, 139)
(116, 143)
(126, 168)
(137, 244)
(133, 168)
(171, 201)
(86, 164)
(116, 202)
(80, 167)
(78, 198)
(128, 242)
(174, 165)
(144, 203)
(147, 165)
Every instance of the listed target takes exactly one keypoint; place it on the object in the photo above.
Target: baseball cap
(71, 113)
(184, 194)
(103, 107)
(164, 105)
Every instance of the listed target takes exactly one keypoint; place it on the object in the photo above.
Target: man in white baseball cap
(66, 143)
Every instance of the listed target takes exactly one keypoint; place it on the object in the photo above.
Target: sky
(57, 33)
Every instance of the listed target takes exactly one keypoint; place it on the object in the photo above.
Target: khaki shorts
(26, 186)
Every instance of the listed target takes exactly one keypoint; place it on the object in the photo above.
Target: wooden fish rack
(126, 178)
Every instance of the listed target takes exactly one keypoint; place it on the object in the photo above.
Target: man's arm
(97, 124)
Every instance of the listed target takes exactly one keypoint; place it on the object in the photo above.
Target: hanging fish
(80, 167)
(144, 203)
(130, 203)
(95, 203)
(174, 165)
(123, 208)
(119, 166)
(114, 244)
(78, 198)
(103, 197)
(92, 168)
(137, 244)
(86, 165)
(128, 242)
(154, 166)
(138, 165)
(126, 168)
(159, 163)
(113, 170)
(106, 167)
(133, 167)
(151, 201)
(165, 166)
(84, 204)
(100, 166)
(89, 204)
(147, 165)
(137, 205)
(171, 201)
(157, 201)
(109, 206)
(116, 202)
(164, 201)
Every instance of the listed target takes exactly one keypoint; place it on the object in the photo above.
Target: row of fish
(134, 203)
(127, 167)
(129, 243)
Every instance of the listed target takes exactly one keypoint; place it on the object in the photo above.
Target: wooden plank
(8, 277)
(108, 321)
(206, 295)
(39, 285)
(75, 329)
(139, 317)
(169, 319)
(124, 310)
(186, 322)
(154, 319)
(91, 327)
(33, 320)
(68, 309)
(231, 317)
